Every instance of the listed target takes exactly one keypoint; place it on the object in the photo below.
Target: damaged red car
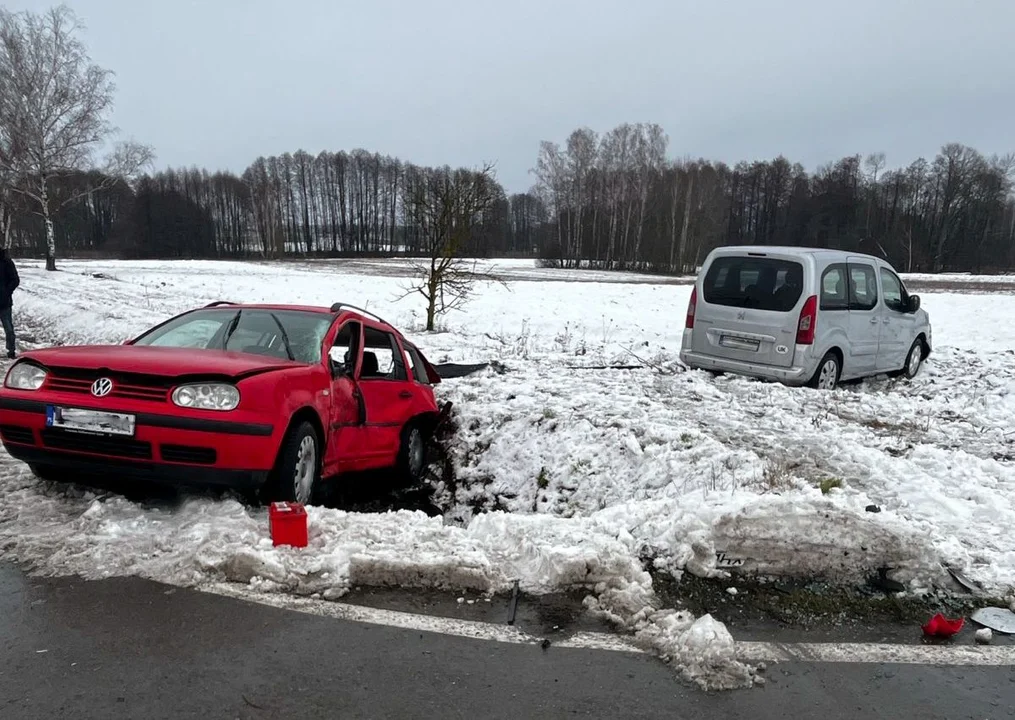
(265, 398)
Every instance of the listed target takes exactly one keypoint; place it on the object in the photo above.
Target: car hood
(161, 361)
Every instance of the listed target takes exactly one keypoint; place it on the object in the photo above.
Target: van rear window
(751, 282)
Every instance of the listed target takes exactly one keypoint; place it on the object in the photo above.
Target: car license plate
(89, 421)
(739, 343)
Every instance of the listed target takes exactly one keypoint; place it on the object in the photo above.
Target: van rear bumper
(797, 374)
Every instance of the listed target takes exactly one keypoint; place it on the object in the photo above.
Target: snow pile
(68, 531)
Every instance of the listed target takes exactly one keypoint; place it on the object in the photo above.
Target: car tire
(412, 453)
(299, 466)
(914, 361)
(826, 377)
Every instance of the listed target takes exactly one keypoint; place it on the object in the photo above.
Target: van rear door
(748, 308)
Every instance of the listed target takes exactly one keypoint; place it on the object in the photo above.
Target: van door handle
(874, 320)
(405, 394)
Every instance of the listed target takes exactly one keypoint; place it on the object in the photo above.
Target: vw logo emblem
(102, 387)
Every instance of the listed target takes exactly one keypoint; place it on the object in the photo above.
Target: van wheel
(914, 361)
(826, 377)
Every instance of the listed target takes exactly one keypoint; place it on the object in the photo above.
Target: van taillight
(689, 324)
(808, 320)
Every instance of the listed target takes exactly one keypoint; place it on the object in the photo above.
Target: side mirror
(914, 303)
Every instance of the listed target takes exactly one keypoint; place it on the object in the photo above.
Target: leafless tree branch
(54, 105)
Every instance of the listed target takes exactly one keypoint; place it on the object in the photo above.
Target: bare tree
(446, 206)
(53, 107)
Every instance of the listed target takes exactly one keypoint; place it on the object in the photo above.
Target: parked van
(803, 316)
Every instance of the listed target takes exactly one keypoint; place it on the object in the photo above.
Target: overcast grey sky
(218, 82)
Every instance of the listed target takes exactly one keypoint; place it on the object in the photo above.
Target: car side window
(834, 294)
(418, 371)
(891, 287)
(382, 358)
(863, 287)
(346, 346)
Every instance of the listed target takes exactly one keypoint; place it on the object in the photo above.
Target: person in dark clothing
(9, 281)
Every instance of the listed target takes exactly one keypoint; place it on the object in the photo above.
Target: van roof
(762, 250)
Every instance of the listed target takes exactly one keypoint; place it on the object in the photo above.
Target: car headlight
(25, 376)
(207, 396)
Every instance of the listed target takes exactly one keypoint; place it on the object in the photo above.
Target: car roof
(335, 310)
(823, 253)
(268, 306)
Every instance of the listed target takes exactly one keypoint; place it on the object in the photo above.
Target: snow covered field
(570, 476)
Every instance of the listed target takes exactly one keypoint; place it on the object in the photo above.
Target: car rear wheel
(299, 466)
(826, 377)
(412, 453)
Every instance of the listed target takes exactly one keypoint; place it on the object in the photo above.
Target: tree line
(617, 202)
(614, 202)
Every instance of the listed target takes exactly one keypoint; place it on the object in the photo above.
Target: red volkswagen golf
(255, 397)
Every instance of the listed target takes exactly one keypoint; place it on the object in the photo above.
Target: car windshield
(754, 282)
(284, 334)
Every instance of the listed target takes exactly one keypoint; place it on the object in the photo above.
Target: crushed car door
(346, 402)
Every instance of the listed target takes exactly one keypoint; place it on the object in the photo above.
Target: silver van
(803, 316)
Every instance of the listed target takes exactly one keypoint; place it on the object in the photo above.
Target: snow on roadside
(567, 475)
(62, 531)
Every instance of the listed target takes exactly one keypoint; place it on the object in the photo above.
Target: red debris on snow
(940, 626)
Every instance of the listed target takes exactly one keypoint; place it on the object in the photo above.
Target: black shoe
(12, 355)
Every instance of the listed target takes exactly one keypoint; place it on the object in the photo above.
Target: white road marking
(747, 651)
(876, 653)
(377, 616)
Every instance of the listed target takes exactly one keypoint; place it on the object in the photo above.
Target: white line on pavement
(770, 652)
(875, 653)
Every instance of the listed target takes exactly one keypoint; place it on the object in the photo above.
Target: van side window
(891, 286)
(863, 287)
(834, 294)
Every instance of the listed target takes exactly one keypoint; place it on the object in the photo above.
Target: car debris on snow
(1000, 620)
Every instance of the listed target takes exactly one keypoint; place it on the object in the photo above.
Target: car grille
(17, 434)
(97, 444)
(188, 454)
(137, 387)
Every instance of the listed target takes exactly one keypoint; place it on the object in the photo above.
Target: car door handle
(873, 320)
(405, 395)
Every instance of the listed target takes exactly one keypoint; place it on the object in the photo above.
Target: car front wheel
(299, 466)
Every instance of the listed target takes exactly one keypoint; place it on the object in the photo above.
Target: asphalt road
(129, 648)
